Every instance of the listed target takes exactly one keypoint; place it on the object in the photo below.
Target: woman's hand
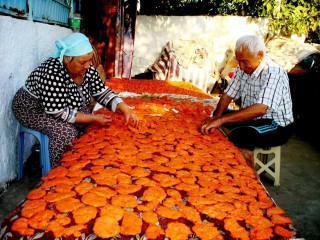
(129, 115)
(99, 119)
(102, 119)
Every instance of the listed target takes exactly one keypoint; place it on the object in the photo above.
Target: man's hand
(206, 121)
(210, 124)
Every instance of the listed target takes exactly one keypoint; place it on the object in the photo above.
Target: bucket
(75, 22)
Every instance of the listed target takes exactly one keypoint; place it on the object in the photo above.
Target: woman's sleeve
(108, 98)
(102, 93)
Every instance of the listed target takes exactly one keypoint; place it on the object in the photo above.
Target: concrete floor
(298, 193)
(299, 190)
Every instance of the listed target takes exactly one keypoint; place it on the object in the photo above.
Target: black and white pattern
(60, 96)
(50, 100)
(30, 113)
(269, 85)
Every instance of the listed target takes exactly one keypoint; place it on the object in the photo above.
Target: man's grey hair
(252, 42)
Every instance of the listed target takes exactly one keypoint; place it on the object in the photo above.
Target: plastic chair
(44, 150)
(268, 160)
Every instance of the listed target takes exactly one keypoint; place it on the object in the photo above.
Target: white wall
(23, 46)
(221, 32)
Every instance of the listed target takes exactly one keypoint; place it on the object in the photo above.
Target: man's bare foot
(248, 155)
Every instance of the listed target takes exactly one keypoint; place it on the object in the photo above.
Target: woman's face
(77, 66)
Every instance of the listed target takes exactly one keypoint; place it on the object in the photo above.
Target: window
(48, 11)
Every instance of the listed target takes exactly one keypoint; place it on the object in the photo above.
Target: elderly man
(265, 116)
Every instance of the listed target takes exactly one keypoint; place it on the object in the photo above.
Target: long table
(161, 180)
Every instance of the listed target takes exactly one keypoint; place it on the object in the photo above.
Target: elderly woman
(56, 95)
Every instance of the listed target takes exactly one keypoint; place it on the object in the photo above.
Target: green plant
(289, 17)
(286, 17)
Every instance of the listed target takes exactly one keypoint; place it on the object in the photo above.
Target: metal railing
(48, 11)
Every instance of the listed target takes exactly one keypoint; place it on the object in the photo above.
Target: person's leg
(248, 155)
(261, 133)
(245, 136)
(276, 137)
(61, 134)
(29, 112)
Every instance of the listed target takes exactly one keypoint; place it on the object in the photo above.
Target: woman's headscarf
(75, 44)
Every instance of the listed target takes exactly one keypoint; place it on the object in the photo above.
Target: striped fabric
(168, 68)
(267, 128)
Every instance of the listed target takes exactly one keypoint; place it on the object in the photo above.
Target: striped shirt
(269, 85)
(61, 97)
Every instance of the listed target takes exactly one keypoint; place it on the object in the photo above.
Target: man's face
(248, 62)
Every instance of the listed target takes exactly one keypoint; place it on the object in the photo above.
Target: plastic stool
(268, 160)
(44, 150)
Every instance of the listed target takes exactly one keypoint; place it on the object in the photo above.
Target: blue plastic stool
(44, 150)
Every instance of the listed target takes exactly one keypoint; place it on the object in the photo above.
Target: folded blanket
(288, 52)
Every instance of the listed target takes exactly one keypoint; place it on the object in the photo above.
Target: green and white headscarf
(75, 44)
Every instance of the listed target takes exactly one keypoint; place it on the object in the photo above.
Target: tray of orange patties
(162, 180)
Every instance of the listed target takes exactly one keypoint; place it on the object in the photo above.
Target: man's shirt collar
(259, 69)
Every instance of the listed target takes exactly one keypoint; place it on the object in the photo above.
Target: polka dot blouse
(61, 96)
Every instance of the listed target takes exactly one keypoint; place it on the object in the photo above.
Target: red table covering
(162, 180)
